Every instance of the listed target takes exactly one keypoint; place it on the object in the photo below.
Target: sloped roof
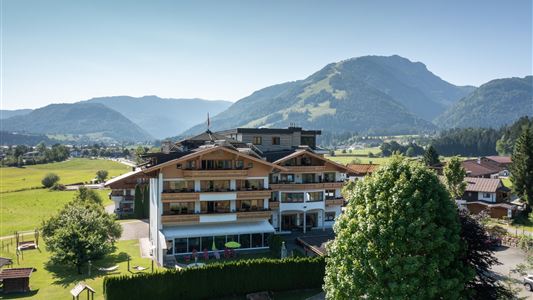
(122, 177)
(16, 273)
(308, 152)
(473, 168)
(486, 185)
(362, 169)
(500, 159)
(80, 287)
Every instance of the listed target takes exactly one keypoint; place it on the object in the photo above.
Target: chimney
(165, 147)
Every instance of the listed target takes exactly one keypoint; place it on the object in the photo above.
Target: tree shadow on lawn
(20, 295)
(65, 275)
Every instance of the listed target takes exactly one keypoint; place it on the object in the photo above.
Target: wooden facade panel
(273, 204)
(306, 186)
(330, 202)
(251, 195)
(303, 169)
(214, 173)
(180, 197)
(180, 219)
(254, 215)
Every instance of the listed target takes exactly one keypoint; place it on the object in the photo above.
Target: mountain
(370, 94)
(163, 117)
(496, 103)
(4, 114)
(89, 121)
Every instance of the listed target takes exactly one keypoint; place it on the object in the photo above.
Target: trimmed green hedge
(220, 280)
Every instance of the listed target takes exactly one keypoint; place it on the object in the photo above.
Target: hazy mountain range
(368, 95)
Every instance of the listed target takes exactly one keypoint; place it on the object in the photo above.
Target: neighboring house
(213, 188)
(359, 171)
(487, 167)
(488, 194)
(30, 155)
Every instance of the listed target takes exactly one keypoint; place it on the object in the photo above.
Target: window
(194, 244)
(486, 195)
(276, 140)
(286, 178)
(207, 242)
(330, 194)
(330, 216)
(215, 206)
(239, 164)
(182, 208)
(191, 164)
(170, 247)
(292, 197)
(220, 241)
(247, 205)
(315, 196)
(329, 177)
(306, 161)
(180, 245)
(257, 140)
(257, 240)
(308, 178)
(244, 240)
(179, 186)
(308, 140)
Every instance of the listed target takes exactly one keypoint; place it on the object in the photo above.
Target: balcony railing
(215, 173)
(305, 186)
(298, 169)
(168, 217)
(253, 194)
(180, 218)
(180, 197)
(335, 201)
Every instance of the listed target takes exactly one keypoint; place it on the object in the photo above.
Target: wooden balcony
(332, 202)
(305, 186)
(180, 197)
(273, 204)
(180, 219)
(245, 215)
(252, 195)
(305, 169)
(215, 173)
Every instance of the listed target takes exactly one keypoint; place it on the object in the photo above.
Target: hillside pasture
(70, 171)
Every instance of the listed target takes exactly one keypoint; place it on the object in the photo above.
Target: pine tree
(146, 202)
(431, 157)
(138, 203)
(522, 166)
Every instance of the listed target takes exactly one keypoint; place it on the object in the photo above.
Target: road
(510, 257)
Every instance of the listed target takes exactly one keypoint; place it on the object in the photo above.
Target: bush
(49, 180)
(219, 280)
(58, 187)
(274, 243)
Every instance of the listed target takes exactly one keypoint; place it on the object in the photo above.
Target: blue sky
(65, 51)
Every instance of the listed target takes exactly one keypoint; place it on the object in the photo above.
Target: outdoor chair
(217, 255)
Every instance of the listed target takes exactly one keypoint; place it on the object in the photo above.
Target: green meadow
(70, 171)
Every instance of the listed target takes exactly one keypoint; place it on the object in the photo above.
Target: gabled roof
(310, 153)
(123, 176)
(16, 273)
(206, 150)
(362, 169)
(484, 185)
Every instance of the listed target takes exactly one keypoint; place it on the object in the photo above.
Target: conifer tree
(522, 166)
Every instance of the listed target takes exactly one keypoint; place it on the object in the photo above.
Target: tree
(399, 238)
(138, 203)
(454, 175)
(41, 148)
(522, 166)
(101, 175)
(146, 202)
(80, 232)
(431, 157)
(410, 152)
(481, 259)
(49, 180)
(138, 153)
(85, 195)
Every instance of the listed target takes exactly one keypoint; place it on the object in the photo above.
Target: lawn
(25, 210)
(55, 281)
(360, 152)
(359, 159)
(70, 171)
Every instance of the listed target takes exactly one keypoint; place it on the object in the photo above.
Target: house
(238, 185)
(488, 194)
(359, 171)
(487, 166)
(16, 280)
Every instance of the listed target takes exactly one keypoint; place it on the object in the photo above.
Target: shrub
(49, 180)
(219, 280)
(274, 243)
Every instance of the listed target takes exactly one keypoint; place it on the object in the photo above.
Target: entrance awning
(201, 230)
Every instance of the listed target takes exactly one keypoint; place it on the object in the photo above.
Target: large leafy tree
(80, 232)
(481, 259)
(399, 238)
(431, 157)
(454, 175)
(522, 166)
(101, 175)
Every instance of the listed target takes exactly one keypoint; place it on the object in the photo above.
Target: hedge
(220, 280)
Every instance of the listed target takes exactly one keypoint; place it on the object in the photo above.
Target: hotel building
(238, 185)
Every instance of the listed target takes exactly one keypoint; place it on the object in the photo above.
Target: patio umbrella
(232, 245)
(214, 248)
(283, 250)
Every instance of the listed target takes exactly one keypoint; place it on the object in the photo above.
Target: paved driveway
(134, 229)
(510, 257)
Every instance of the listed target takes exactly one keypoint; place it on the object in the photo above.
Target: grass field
(71, 171)
(25, 210)
(55, 282)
